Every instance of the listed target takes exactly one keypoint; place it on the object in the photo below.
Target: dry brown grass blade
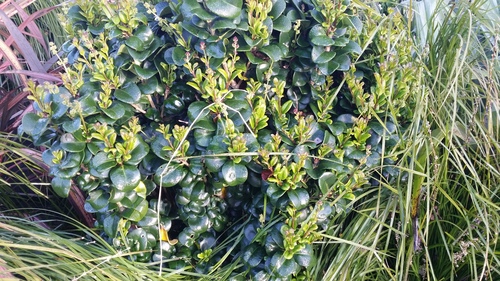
(11, 11)
(31, 25)
(12, 59)
(24, 46)
(33, 74)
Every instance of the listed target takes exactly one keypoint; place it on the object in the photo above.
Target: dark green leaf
(199, 224)
(69, 143)
(282, 24)
(135, 43)
(326, 181)
(283, 267)
(89, 105)
(214, 164)
(305, 256)
(322, 40)
(203, 137)
(299, 198)
(144, 33)
(101, 164)
(168, 176)
(110, 225)
(216, 50)
(277, 9)
(125, 177)
(273, 52)
(130, 93)
(144, 73)
(299, 79)
(329, 67)
(234, 174)
(98, 199)
(30, 121)
(253, 255)
(178, 56)
(151, 218)
(223, 24)
(225, 8)
(346, 118)
(137, 212)
(274, 192)
(344, 62)
(320, 55)
(71, 126)
(140, 150)
(61, 186)
(355, 22)
(115, 111)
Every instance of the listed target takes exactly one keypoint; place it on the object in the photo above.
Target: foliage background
(450, 164)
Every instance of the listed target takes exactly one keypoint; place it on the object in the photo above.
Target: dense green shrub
(189, 122)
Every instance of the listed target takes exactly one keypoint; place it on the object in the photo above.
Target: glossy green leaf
(197, 110)
(98, 199)
(346, 118)
(282, 24)
(320, 55)
(69, 143)
(274, 192)
(299, 79)
(322, 40)
(61, 186)
(130, 93)
(305, 256)
(101, 164)
(110, 225)
(277, 9)
(195, 30)
(203, 137)
(30, 122)
(151, 218)
(328, 68)
(144, 73)
(326, 181)
(273, 52)
(225, 8)
(355, 22)
(115, 111)
(89, 105)
(138, 152)
(223, 24)
(253, 255)
(71, 160)
(178, 56)
(299, 198)
(144, 33)
(284, 267)
(199, 224)
(72, 125)
(135, 43)
(216, 50)
(150, 86)
(341, 41)
(214, 164)
(234, 174)
(139, 56)
(168, 176)
(137, 212)
(125, 177)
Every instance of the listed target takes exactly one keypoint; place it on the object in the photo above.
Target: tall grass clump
(31, 251)
(439, 220)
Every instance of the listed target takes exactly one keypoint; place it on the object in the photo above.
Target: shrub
(216, 131)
